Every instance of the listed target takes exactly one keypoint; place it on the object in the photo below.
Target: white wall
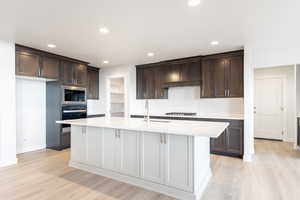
(272, 32)
(7, 102)
(298, 89)
(289, 95)
(31, 114)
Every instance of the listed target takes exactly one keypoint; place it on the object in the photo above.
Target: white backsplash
(187, 99)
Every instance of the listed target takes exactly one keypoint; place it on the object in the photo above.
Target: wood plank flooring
(44, 175)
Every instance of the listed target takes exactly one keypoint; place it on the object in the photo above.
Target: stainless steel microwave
(73, 95)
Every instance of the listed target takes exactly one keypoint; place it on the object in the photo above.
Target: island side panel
(202, 169)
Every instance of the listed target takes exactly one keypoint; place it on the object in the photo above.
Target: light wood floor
(45, 175)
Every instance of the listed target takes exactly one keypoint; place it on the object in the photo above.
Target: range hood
(181, 84)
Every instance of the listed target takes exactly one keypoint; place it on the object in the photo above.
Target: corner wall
(7, 102)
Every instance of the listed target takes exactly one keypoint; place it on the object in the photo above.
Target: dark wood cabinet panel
(207, 84)
(174, 73)
(234, 143)
(67, 73)
(149, 82)
(235, 76)
(27, 64)
(93, 83)
(38, 63)
(140, 83)
(226, 73)
(160, 78)
(80, 74)
(219, 77)
(50, 68)
(231, 142)
(74, 74)
(219, 144)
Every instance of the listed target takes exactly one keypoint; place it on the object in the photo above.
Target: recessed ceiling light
(105, 62)
(150, 54)
(51, 45)
(214, 43)
(104, 30)
(193, 3)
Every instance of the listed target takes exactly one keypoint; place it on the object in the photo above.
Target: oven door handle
(74, 111)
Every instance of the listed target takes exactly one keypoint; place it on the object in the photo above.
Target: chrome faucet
(147, 116)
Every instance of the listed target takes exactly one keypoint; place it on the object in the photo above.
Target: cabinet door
(93, 84)
(179, 162)
(27, 64)
(174, 73)
(218, 144)
(127, 149)
(78, 144)
(50, 68)
(234, 141)
(191, 71)
(149, 78)
(152, 157)
(219, 77)
(160, 79)
(235, 76)
(109, 149)
(80, 75)
(93, 145)
(140, 83)
(207, 86)
(67, 73)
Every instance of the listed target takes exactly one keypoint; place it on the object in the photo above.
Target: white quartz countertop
(176, 127)
(205, 116)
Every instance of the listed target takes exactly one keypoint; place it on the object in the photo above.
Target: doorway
(275, 103)
(116, 97)
(268, 108)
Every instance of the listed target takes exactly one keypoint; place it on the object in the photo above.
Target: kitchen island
(167, 156)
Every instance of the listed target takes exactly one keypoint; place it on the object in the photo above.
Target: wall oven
(73, 95)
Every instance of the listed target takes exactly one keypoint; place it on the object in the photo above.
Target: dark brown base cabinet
(231, 142)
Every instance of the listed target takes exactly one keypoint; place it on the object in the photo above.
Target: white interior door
(268, 108)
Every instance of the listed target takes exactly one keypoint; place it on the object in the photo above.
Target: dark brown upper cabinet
(93, 83)
(80, 74)
(27, 64)
(67, 73)
(50, 68)
(74, 74)
(207, 79)
(222, 75)
(38, 63)
(150, 82)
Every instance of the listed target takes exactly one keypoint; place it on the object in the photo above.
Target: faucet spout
(147, 115)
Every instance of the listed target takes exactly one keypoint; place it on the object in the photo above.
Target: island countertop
(176, 127)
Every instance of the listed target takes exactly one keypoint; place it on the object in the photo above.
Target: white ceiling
(169, 28)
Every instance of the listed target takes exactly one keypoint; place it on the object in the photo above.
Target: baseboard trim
(248, 157)
(31, 148)
(9, 162)
(163, 189)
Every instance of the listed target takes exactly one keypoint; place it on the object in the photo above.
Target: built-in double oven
(74, 106)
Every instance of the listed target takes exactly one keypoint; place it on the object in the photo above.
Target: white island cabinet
(153, 155)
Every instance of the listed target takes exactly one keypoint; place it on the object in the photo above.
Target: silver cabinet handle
(74, 111)
(161, 139)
